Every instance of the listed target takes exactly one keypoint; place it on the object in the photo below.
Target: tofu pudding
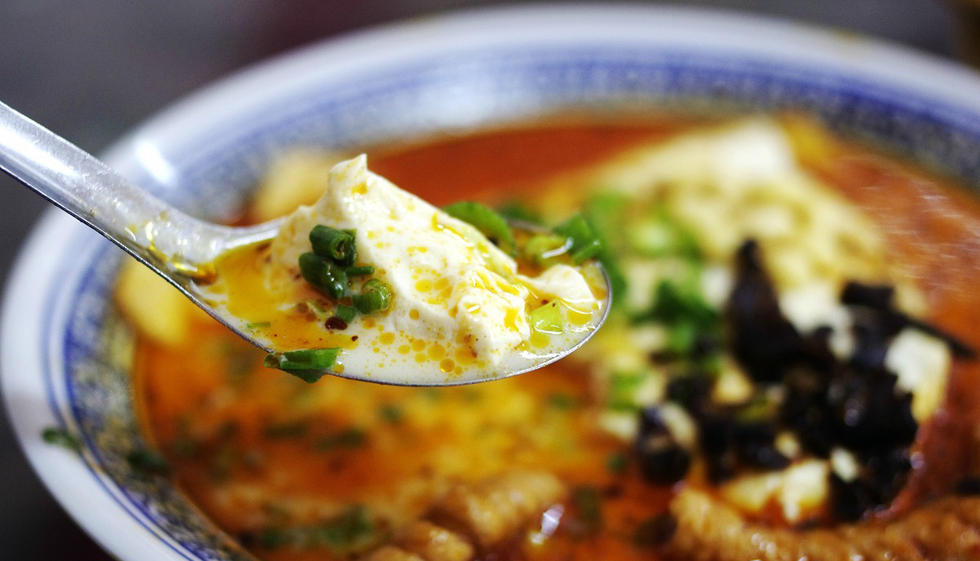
(374, 280)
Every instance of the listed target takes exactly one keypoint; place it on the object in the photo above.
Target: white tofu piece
(922, 364)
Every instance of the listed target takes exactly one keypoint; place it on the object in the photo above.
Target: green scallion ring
(336, 245)
(375, 296)
(308, 365)
(487, 221)
(345, 313)
(360, 271)
(324, 275)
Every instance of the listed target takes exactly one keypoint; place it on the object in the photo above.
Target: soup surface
(556, 464)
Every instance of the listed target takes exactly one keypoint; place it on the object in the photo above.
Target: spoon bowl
(175, 245)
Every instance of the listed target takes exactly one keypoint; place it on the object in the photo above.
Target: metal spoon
(178, 247)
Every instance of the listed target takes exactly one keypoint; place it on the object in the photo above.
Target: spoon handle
(144, 226)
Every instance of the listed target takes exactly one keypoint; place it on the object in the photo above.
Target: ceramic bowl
(65, 354)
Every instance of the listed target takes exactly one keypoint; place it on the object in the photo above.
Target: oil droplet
(538, 339)
(577, 317)
(369, 323)
(414, 314)
(508, 288)
(420, 357)
(418, 345)
(510, 319)
(444, 295)
(464, 355)
(436, 351)
(404, 349)
(424, 285)
(447, 365)
(387, 338)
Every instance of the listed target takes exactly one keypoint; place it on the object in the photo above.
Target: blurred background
(90, 70)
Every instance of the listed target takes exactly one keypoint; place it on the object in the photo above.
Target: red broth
(243, 439)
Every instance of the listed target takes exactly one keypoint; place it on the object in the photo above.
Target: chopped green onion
(605, 212)
(675, 303)
(585, 242)
(308, 359)
(617, 278)
(760, 408)
(543, 247)
(360, 271)
(257, 324)
(352, 437)
(185, 446)
(516, 210)
(227, 430)
(221, 463)
(617, 462)
(391, 413)
(655, 531)
(623, 387)
(345, 313)
(308, 365)
(588, 510)
(547, 319)
(61, 437)
(691, 323)
(238, 359)
(710, 364)
(681, 338)
(375, 297)
(335, 245)
(347, 534)
(286, 429)
(562, 401)
(351, 532)
(323, 274)
(488, 222)
(659, 235)
(273, 538)
(147, 461)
